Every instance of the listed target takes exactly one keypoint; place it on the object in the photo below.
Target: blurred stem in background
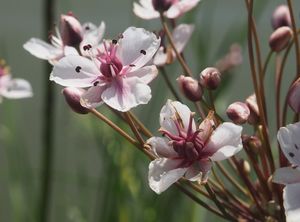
(47, 153)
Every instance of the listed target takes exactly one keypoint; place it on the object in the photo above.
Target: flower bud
(71, 30)
(162, 5)
(252, 142)
(281, 17)
(210, 78)
(238, 112)
(190, 88)
(254, 111)
(294, 96)
(72, 96)
(280, 38)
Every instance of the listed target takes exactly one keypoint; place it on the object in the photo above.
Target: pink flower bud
(281, 17)
(162, 5)
(280, 38)
(72, 96)
(238, 112)
(294, 96)
(210, 78)
(71, 30)
(190, 88)
(254, 111)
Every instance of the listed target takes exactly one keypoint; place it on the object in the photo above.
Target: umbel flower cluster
(191, 147)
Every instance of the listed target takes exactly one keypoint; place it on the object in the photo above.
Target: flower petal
(289, 140)
(196, 171)
(286, 175)
(163, 173)
(16, 89)
(124, 94)
(161, 57)
(168, 112)
(145, 10)
(69, 50)
(145, 74)
(180, 8)
(291, 202)
(137, 47)
(161, 147)
(43, 50)
(181, 35)
(75, 71)
(224, 142)
(92, 97)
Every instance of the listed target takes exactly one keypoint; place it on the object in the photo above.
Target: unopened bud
(280, 38)
(281, 17)
(72, 96)
(254, 111)
(190, 88)
(210, 78)
(238, 112)
(246, 167)
(294, 96)
(162, 5)
(71, 30)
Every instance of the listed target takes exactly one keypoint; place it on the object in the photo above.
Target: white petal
(134, 41)
(163, 173)
(125, 94)
(286, 175)
(196, 171)
(291, 202)
(16, 89)
(145, 74)
(182, 34)
(92, 97)
(143, 12)
(168, 112)
(180, 8)
(43, 50)
(161, 57)
(161, 147)
(64, 72)
(225, 141)
(68, 50)
(289, 140)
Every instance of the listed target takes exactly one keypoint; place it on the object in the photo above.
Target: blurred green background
(97, 175)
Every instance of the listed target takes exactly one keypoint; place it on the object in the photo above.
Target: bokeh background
(97, 176)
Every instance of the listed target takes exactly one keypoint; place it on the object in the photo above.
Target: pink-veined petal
(180, 8)
(224, 142)
(145, 10)
(161, 147)
(16, 89)
(181, 35)
(43, 50)
(291, 202)
(137, 47)
(197, 170)
(168, 112)
(163, 173)
(75, 71)
(145, 74)
(286, 175)
(124, 94)
(92, 97)
(289, 140)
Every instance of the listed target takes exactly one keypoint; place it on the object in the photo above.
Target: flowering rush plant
(210, 154)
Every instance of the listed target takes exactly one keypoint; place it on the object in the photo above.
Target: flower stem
(134, 128)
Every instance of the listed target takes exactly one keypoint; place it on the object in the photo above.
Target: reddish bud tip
(72, 96)
(281, 17)
(190, 88)
(280, 38)
(71, 30)
(238, 112)
(294, 96)
(210, 78)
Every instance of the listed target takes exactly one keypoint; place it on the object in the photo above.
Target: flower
(145, 9)
(12, 88)
(116, 75)
(186, 150)
(288, 138)
(70, 35)
(181, 35)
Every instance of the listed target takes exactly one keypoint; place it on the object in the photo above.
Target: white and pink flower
(187, 150)
(117, 75)
(71, 34)
(289, 140)
(146, 10)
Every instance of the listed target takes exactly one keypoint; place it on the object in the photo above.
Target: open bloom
(288, 138)
(181, 35)
(187, 150)
(12, 88)
(145, 9)
(70, 35)
(116, 75)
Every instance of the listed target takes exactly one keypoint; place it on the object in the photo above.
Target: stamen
(143, 52)
(96, 83)
(190, 127)
(77, 69)
(114, 41)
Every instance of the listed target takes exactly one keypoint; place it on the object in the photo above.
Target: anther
(114, 41)
(77, 69)
(96, 83)
(291, 154)
(143, 52)
(132, 65)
